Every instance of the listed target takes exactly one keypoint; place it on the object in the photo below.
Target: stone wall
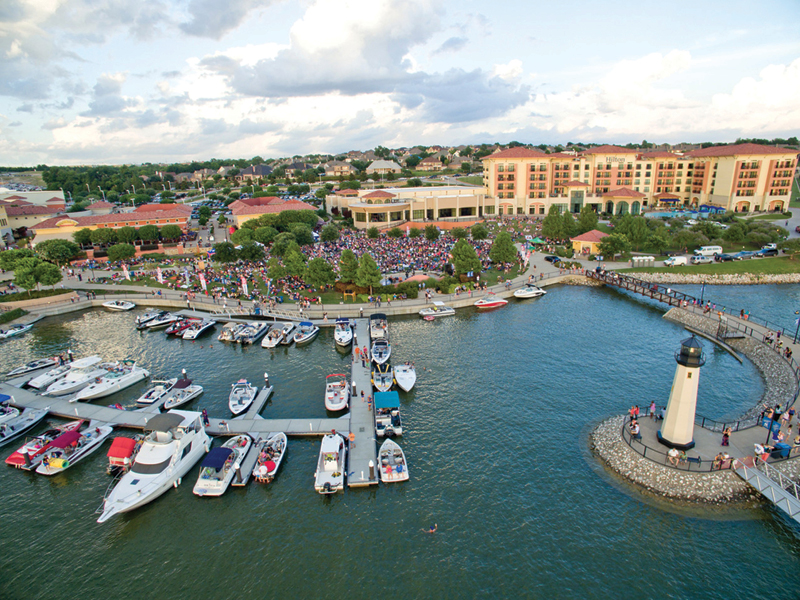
(724, 279)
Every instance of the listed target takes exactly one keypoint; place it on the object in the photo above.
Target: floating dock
(362, 421)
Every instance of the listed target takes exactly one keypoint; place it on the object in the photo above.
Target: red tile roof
(740, 149)
(666, 195)
(575, 184)
(19, 210)
(518, 152)
(593, 236)
(347, 192)
(9, 198)
(660, 154)
(150, 208)
(379, 194)
(562, 155)
(608, 149)
(100, 204)
(623, 192)
(18, 203)
(119, 219)
(274, 208)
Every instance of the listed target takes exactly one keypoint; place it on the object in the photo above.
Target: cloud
(213, 19)
(55, 124)
(28, 108)
(108, 99)
(510, 71)
(453, 44)
(15, 124)
(249, 127)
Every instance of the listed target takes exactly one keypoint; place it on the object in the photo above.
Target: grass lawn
(770, 217)
(795, 200)
(756, 266)
(472, 179)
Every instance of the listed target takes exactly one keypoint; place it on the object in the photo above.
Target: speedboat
(490, 301)
(30, 453)
(178, 327)
(382, 377)
(381, 351)
(143, 320)
(122, 454)
(163, 320)
(77, 379)
(251, 333)
(7, 413)
(393, 462)
(378, 327)
(64, 454)
(18, 423)
(182, 393)
(15, 330)
(387, 414)
(35, 365)
(274, 336)
(439, 309)
(46, 379)
(241, 396)
(174, 443)
(197, 328)
(119, 305)
(219, 466)
(529, 290)
(230, 331)
(337, 392)
(305, 333)
(405, 376)
(288, 335)
(270, 456)
(118, 379)
(343, 334)
(329, 477)
(158, 391)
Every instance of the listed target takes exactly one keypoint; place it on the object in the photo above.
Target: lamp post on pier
(797, 320)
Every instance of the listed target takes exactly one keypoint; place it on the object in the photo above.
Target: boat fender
(176, 483)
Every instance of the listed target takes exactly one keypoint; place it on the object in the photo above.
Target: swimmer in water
(432, 528)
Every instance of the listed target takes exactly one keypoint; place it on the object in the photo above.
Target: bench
(694, 459)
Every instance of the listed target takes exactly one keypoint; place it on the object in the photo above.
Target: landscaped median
(36, 298)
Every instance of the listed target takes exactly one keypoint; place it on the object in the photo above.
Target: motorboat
(288, 335)
(252, 332)
(343, 333)
(158, 391)
(387, 414)
(7, 413)
(490, 301)
(219, 466)
(270, 456)
(15, 330)
(274, 336)
(178, 327)
(122, 454)
(337, 392)
(381, 351)
(241, 396)
(115, 380)
(163, 320)
(230, 331)
(305, 333)
(143, 320)
(382, 377)
(529, 290)
(30, 453)
(405, 376)
(14, 424)
(393, 462)
(63, 454)
(119, 305)
(198, 328)
(439, 309)
(42, 363)
(329, 477)
(77, 379)
(378, 327)
(182, 393)
(44, 380)
(175, 441)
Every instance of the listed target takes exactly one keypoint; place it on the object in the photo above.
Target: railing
(717, 426)
(784, 481)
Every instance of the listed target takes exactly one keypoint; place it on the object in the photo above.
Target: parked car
(766, 252)
(701, 260)
(769, 247)
(723, 257)
(797, 229)
(552, 259)
(674, 261)
(743, 254)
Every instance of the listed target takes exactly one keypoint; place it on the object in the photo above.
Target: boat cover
(66, 439)
(343, 320)
(377, 317)
(182, 384)
(121, 447)
(164, 422)
(4, 398)
(306, 324)
(387, 400)
(216, 458)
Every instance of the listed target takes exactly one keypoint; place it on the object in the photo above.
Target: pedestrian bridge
(645, 288)
(777, 487)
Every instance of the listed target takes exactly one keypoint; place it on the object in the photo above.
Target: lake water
(496, 438)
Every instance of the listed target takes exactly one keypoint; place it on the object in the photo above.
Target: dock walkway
(362, 423)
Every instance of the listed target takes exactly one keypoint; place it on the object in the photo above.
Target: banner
(186, 275)
(125, 272)
(244, 286)
(159, 276)
(203, 282)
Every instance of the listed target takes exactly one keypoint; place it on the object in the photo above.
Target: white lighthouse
(678, 427)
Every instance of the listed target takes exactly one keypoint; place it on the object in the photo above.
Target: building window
(418, 214)
(488, 210)
(510, 168)
(361, 217)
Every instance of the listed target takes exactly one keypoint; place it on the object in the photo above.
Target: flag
(125, 272)
(269, 286)
(203, 281)
(159, 276)
(407, 230)
(244, 286)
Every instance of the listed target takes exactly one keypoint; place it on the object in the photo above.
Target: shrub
(9, 316)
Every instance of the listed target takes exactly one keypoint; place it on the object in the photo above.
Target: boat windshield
(150, 469)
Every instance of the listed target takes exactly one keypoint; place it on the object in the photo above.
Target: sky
(132, 81)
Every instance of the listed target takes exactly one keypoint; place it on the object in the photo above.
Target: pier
(362, 422)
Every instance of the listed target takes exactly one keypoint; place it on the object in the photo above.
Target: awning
(216, 458)
(387, 400)
(164, 422)
(537, 240)
(182, 384)
(121, 447)
(66, 439)
(669, 199)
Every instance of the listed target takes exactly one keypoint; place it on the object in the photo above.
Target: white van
(674, 261)
(708, 250)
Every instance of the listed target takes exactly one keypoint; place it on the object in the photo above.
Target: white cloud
(509, 71)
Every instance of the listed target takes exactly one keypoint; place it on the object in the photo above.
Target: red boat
(178, 327)
(121, 454)
(29, 455)
(490, 301)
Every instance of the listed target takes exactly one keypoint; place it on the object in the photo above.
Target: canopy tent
(121, 447)
(216, 458)
(387, 400)
(537, 240)
(710, 208)
(669, 199)
(66, 439)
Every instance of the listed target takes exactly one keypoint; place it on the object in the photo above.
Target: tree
(58, 251)
(614, 244)
(431, 233)
(790, 247)
(302, 233)
(568, 226)
(658, 242)
(466, 167)
(251, 251)
(587, 219)
(25, 273)
(503, 250)
(281, 244)
(465, 259)
(83, 237)
(412, 161)
(121, 252)
(265, 235)
(148, 233)
(459, 233)
(48, 274)
(634, 228)
(294, 263)
(373, 233)
(479, 231)
(414, 182)
(9, 258)
(104, 236)
(329, 233)
(171, 232)
(275, 269)
(224, 252)
(126, 235)
(319, 272)
(240, 236)
(368, 274)
(348, 266)
(553, 224)
(414, 232)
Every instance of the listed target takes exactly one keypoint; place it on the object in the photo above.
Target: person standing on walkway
(653, 409)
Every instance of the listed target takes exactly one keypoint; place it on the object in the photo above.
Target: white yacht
(42, 363)
(387, 414)
(343, 334)
(529, 290)
(275, 335)
(378, 327)
(382, 377)
(230, 331)
(118, 379)
(439, 309)
(381, 351)
(305, 333)
(158, 391)
(46, 379)
(63, 455)
(405, 376)
(219, 466)
(270, 456)
(15, 330)
(252, 332)
(77, 379)
(329, 477)
(198, 328)
(288, 335)
(119, 305)
(393, 462)
(182, 393)
(241, 396)
(175, 442)
(337, 392)
(162, 320)
(142, 320)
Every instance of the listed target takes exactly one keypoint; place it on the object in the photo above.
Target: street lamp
(102, 192)
(797, 320)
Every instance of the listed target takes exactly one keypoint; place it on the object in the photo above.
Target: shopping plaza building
(743, 178)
